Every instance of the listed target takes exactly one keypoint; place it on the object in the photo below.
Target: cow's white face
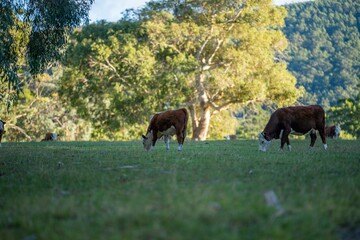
(263, 143)
(337, 131)
(147, 141)
(2, 126)
(54, 136)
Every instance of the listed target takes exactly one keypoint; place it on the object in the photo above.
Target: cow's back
(300, 118)
(303, 118)
(164, 120)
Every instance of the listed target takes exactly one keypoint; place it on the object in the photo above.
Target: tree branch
(219, 43)
(13, 126)
(226, 105)
(233, 21)
(198, 54)
(110, 67)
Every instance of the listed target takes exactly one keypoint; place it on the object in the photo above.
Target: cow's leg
(285, 138)
(0, 139)
(167, 142)
(180, 138)
(323, 137)
(313, 138)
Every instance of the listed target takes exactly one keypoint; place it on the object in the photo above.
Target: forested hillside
(324, 49)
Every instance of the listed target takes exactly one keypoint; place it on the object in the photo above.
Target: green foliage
(35, 31)
(253, 119)
(324, 49)
(347, 114)
(13, 40)
(230, 44)
(38, 110)
(109, 77)
(112, 190)
(51, 22)
(223, 124)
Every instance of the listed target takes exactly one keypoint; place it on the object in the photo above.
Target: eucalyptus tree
(219, 54)
(34, 33)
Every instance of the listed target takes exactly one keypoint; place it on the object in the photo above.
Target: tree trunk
(201, 129)
(201, 121)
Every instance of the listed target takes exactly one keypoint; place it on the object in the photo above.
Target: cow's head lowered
(264, 142)
(147, 141)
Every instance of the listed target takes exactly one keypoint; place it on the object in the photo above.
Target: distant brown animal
(332, 131)
(2, 130)
(50, 137)
(167, 124)
(296, 120)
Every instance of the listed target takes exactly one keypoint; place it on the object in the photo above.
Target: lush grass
(211, 190)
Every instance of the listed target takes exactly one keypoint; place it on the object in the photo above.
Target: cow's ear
(144, 137)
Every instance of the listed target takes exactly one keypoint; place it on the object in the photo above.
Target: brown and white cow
(50, 136)
(296, 120)
(2, 130)
(333, 131)
(166, 124)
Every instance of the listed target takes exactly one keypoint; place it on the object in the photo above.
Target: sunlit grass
(210, 190)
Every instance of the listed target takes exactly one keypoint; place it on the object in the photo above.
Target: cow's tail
(323, 119)
(186, 115)
(323, 128)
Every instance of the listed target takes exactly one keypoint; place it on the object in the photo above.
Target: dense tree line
(324, 49)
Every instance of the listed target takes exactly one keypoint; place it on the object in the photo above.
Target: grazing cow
(2, 130)
(333, 131)
(50, 137)
(167, 124)
(296, 120)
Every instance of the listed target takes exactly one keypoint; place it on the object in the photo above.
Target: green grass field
(210, 190)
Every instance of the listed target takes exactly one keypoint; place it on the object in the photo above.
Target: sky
(110, 10)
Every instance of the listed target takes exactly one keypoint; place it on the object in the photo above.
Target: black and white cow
(166, 124)
(296, 120)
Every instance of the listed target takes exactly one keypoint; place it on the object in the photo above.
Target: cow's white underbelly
(293, 132)
(168, 132)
